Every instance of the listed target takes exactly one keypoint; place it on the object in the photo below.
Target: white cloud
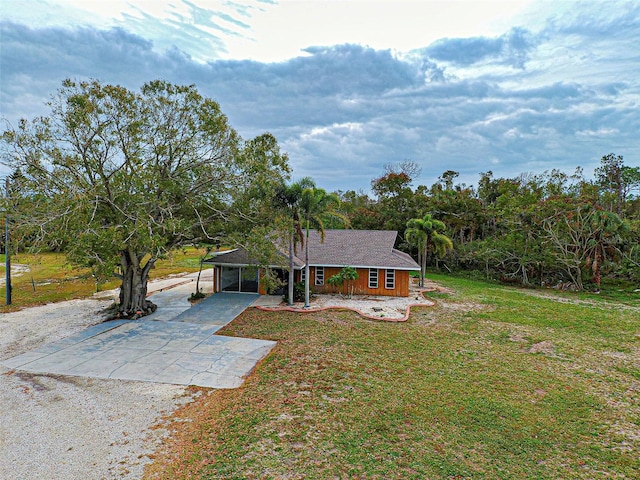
(601, 132)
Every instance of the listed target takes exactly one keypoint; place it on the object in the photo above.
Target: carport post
(7, 258)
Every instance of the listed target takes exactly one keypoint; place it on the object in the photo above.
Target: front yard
(492, 382)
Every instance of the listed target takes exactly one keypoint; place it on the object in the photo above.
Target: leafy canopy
(112, 171)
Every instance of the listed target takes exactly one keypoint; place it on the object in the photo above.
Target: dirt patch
(464, 306)
(17, 269)
(517, 337)
(432, 286)
(545, 348)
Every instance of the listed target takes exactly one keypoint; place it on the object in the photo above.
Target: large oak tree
(118, 178)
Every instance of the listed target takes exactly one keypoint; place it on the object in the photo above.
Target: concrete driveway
(177, 344)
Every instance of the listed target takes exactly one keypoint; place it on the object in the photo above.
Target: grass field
(492, 382)
(51, 278)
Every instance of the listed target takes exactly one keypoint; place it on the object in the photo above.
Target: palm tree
(288, 198)
(607, 229)
(316, 206)
(417, 238)
(426, 232)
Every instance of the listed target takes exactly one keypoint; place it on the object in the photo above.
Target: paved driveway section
(180, 347)
(165, 352)
(218, 309)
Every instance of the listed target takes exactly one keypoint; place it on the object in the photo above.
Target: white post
(7, 258)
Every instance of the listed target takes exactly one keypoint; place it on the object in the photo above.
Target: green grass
(456, 392)
(52, 279)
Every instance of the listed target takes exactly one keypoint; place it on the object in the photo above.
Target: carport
(235, 271)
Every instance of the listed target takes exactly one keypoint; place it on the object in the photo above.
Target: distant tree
(391, 184)
(457, 206)
(617, 181)
(606, 233)
(447, 178)
(396, 201)
(120, 178)
(583, 238)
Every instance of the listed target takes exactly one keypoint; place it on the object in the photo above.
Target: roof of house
(358, 248)
(354, 248)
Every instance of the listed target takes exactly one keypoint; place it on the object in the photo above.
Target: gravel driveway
(55, 427)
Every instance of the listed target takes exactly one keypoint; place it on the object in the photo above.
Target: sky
(349, 86)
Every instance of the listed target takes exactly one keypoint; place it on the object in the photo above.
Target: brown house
(382, 270)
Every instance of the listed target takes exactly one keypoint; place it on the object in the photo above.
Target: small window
(390, 280)
(319, 275)
(373, 278)
(303, 274)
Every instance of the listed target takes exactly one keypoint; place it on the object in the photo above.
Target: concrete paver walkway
(174, 345)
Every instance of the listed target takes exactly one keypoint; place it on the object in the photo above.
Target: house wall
(361, 286)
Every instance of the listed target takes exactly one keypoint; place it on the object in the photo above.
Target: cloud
(619, 20)
(557, 97)
(35, 61)
(512, 48)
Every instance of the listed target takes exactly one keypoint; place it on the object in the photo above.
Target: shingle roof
(358, 248)
(240, 256)
(354, 248)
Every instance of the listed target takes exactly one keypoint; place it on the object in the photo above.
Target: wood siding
(361, 286)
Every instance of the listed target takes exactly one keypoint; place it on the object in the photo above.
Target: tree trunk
(306, 271)
(596, 267)
(423, 267)
(198, 279)
(133, 291)
(291, 272)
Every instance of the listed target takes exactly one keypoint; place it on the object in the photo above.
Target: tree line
(549, 229)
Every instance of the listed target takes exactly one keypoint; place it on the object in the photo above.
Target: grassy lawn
(493, 382)
(51, 279)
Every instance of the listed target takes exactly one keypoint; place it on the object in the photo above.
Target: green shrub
(298, 292)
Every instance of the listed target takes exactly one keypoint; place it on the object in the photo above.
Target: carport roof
(239, 257)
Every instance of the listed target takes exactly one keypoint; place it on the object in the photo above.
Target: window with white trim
(319, 276)
(390, 279)
(373, 278)
(303, 274)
